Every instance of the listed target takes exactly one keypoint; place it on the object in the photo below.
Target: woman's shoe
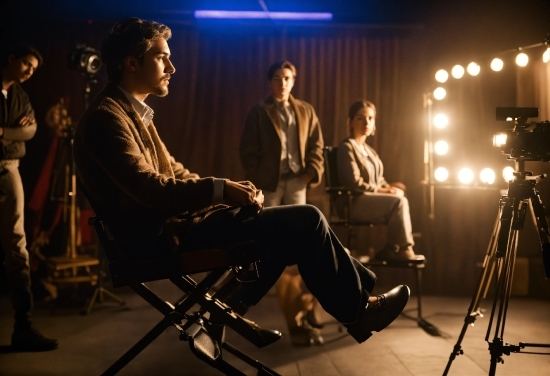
(392, 253)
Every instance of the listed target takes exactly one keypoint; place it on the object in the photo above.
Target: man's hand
(26, 121)
(391, 190)
(306, 178)
(242, 194)
(259, 199)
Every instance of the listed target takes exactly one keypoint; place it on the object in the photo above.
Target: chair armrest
(344, 191)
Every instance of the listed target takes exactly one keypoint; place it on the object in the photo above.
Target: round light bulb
(441, 174)
(441, 147)
(487, 176)
(457, 71)
(439, 93)
(465, 176)
(522, 59)
(497, 64)
(441, 76)
(508, 173)
(546, 56)
(441, 121)
(473, 69)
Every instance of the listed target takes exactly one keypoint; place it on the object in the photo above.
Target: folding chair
(205, 334)
(342, 218)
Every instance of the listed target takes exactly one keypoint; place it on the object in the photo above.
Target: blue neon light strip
(264, 15)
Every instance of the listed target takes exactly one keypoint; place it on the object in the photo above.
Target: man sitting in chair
(153, 209)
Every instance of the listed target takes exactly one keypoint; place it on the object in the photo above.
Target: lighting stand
(428, 156)
(501, 255)
(73, 268)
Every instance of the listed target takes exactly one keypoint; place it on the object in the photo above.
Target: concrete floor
(89, 344)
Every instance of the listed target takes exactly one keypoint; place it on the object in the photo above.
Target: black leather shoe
(379, 315)
(30, 339)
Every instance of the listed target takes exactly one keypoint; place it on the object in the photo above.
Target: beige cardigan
(128, 174)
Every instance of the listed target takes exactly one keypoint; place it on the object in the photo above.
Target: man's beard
(161, 91)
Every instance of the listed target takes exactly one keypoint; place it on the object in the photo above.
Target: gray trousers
(289, 192)
(391, 210)
(13, 240)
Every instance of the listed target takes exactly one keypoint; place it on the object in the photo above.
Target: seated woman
(360, 167)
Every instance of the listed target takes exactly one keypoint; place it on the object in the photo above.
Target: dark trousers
(294, 234)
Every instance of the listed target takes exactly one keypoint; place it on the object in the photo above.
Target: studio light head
(526, 141)
(85, 60)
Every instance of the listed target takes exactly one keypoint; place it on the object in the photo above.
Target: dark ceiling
(344, 11)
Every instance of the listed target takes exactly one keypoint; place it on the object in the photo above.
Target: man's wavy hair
(130, 37)
(281, 64)
(21, 50)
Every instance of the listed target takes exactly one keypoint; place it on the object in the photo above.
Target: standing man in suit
(282, 145)
(282, 152)
(17, 125)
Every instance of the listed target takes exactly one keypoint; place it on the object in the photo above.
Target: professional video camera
(85, 60)
(526, 141)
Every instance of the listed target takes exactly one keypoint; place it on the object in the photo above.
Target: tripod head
(524, 182)
(521, 191)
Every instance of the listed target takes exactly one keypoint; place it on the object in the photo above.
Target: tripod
(73, 268)
(501, 255)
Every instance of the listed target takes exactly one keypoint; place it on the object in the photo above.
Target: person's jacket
(129, 176)
(353, 171)
(12, 141)
(260, 148)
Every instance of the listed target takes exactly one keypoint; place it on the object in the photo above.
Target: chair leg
(138, 347)
(419, 292)
(207, 349)
(263, 370)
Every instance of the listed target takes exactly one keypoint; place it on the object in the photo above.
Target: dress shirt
(290, 150)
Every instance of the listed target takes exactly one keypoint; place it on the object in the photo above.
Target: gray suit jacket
(353, 171)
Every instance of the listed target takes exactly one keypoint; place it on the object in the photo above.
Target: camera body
(526, 141)
(85, 60)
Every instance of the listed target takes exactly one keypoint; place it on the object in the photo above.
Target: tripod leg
(542, 225)
(513, 216)
(113, 296)
(481, 290)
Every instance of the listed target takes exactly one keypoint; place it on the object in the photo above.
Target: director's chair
(204, 333)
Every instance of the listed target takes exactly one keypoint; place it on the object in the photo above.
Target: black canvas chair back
(340, 196)
(227, 267)
(331, 167)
